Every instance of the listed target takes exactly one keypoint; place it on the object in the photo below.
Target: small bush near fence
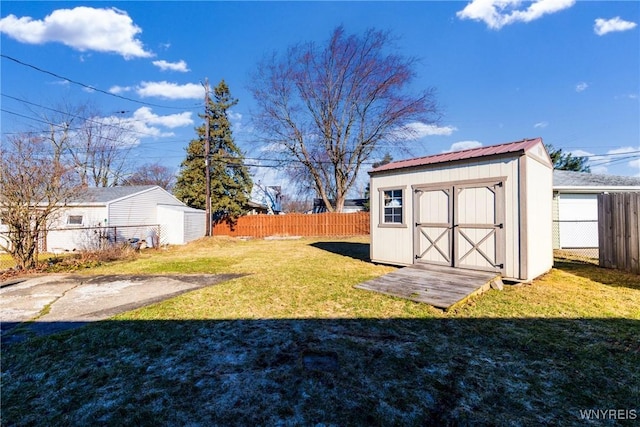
(324, 224)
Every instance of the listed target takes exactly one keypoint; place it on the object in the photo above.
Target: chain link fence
(76, 239)
(576, 240)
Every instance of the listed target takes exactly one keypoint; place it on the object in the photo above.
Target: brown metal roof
(492, 150)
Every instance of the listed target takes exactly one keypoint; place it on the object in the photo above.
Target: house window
(74, 220)
(392, 206)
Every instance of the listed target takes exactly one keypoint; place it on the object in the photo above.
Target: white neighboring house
(124, 213)
(575, 205)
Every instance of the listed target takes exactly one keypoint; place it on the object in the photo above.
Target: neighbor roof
(101, 195)
(492, 150)
(570, 179)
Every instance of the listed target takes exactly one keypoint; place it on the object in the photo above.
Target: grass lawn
(293, 343)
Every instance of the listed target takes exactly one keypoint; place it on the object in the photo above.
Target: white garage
(486, 209)
(118, 214)
(575, 205)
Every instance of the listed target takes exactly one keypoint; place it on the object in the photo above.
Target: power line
(93, 88)
(121, 128)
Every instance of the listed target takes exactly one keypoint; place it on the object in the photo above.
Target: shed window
(392, 200)
(74, 220)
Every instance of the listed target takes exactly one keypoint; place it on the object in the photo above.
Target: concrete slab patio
(53, 303)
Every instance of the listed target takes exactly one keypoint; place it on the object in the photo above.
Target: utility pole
(207, 159)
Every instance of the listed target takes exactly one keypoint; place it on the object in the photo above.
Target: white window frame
(403, 207)
(75, 223)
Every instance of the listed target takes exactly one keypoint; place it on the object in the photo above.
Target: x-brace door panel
(433, 231)
(479, 226)
(460, 225)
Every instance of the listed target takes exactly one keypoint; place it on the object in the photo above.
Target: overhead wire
(93, 88)
(90, 120)
(600, 161)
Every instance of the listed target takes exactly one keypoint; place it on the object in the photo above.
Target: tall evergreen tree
(230, 180)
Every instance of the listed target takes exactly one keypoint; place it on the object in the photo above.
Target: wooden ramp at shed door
(441, 287)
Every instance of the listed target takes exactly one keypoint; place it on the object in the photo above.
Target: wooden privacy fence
(324, 224)
(619, 231)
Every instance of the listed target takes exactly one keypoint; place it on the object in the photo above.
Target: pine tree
(230, 181)
(567, 161)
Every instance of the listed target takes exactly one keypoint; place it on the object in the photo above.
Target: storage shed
(121, 213)
(486, 208)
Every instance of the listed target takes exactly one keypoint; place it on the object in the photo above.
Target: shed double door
(460, 225)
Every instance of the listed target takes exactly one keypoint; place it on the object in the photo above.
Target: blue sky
(563, 70)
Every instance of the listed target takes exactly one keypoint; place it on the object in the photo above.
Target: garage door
(578, 220)
(460, 225)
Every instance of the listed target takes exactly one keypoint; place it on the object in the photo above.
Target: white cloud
(635, 164)
(600, 163)
(170, 90)
(632, 96)
(463, 145)
(604, 26)
(116, 90)
(582, 153)
(143, 123)
(541, 125)
(498, 13)
(234, 117)
(418, 130)
(82, 28)
(180, 66)
(145, 115)
(581, 87)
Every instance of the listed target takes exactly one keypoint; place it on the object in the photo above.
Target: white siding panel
(194, 225)
(180, 224)
(62, 236)
(3, 236)
(539, 227)
(578, 220)
(133, 214)
(171, 222)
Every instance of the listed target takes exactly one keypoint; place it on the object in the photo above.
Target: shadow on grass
(359, 251)
(483, 371)
(606, 276)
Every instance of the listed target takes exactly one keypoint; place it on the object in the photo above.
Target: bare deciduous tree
(34, 185)
(153, 174)
(328, 107)
(98, 146)
(100, 149)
